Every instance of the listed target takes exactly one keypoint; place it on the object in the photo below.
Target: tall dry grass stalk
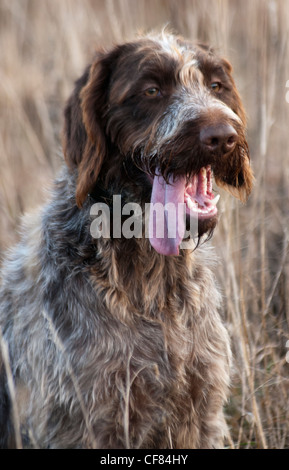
(44, 47)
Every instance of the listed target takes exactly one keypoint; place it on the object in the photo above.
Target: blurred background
(44, 47)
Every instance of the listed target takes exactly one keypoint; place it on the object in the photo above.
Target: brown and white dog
(118, 342)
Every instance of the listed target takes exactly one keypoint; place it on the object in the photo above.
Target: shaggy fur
(110, 343)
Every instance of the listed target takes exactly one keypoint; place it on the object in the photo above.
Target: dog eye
(216, 86)
(152, 92)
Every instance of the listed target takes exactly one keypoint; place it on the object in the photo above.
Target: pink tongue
(167, 219)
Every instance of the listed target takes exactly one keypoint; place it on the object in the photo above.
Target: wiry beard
(185, 156)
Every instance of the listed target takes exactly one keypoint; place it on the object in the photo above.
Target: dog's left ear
(84, 139)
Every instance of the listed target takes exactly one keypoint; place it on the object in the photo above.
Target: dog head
(170, 111)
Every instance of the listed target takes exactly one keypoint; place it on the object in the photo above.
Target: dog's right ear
(84, 139)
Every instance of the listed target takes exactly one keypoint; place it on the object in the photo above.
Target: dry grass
(44, 46)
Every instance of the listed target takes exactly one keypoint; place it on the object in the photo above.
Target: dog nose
(219, 137)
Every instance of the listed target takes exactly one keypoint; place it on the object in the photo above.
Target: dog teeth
(194, 206)
(209, 179)
(191, 205)
(215, 200)
(203, 176)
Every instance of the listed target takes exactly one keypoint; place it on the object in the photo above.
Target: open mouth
(199, 198)
(180, 199)
(168, 225)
